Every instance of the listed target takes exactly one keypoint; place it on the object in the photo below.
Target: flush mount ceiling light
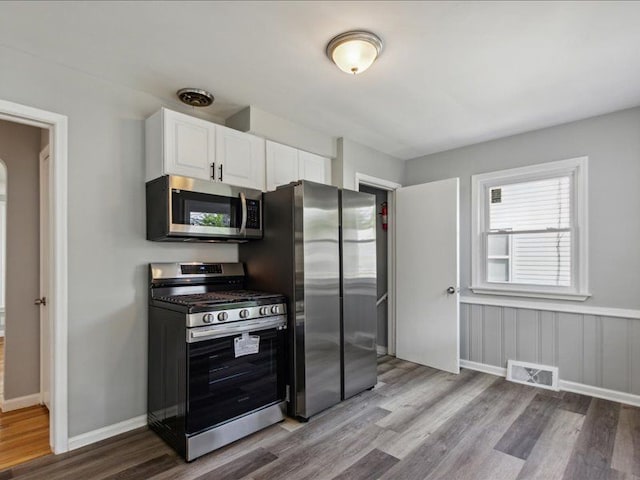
(195, 97)
(353, 52)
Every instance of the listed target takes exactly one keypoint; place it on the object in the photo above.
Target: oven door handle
(227, 330)
(243, 202)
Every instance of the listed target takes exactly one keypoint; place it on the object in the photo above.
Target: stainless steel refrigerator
(319, 249)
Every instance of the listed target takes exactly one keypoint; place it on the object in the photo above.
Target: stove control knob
(264, 310)
(275, 309)
(222, 316)
(244, 313)
(207, 318)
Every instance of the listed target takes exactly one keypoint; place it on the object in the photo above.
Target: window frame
(576, 168)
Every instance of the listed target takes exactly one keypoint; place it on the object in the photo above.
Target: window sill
(529, 293)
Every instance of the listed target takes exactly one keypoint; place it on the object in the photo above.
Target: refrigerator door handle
(382, 299)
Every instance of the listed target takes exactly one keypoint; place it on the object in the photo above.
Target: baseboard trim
(605, 393)
(564, 385)
(109, 431)
(20, 402)
(381, 350)
(483, 367)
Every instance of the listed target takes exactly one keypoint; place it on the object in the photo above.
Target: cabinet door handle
(213, 171)
(220, 177)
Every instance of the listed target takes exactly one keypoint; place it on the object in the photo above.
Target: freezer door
(359, 320)
(317, 298)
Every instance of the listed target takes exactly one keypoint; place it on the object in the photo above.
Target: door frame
(390, 187)
(57, 125)
(44, 172)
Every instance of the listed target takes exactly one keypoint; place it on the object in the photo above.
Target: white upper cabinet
(179, 144)
(282, 165)
(239, 158)
(314, 167)
(287, 164)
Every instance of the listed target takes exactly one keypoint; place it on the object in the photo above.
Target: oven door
(205, 209)
(225, 382)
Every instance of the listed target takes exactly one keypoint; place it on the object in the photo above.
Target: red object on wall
(385, 216)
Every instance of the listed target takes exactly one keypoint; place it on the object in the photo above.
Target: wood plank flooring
(24, 433)
(418, 423)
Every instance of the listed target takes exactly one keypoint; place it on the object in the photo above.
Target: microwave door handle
(243, 202)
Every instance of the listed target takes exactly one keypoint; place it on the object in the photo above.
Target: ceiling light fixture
(196, 97)
(353, 52)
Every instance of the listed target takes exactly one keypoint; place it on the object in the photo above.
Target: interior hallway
(24, 433)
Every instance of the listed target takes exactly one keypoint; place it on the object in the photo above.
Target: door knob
(452, 290)
(40, 301)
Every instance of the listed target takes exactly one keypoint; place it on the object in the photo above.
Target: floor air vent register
(542, 376)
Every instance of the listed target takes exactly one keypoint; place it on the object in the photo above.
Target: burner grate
(229, 296)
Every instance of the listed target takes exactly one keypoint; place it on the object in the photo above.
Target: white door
(282, 165)
(45, 327)
(240, 158)
(189, 145)
(314, 167)
(427, 313)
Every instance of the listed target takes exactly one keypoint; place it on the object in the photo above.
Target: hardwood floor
(24, 433)
(418, 423)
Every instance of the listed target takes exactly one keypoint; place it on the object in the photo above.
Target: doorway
(384, 191)
(56, 126)
(382, 266)
(23, 421)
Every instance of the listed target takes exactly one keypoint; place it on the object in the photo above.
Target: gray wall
(20, 149)
(381, 264)
(353, 157)
(108, 253)
(594, 350)
(269, 126)
(612, 143)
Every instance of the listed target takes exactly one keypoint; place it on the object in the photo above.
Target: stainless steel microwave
(186, 209)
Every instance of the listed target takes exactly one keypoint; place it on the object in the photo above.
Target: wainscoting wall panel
(594, 350)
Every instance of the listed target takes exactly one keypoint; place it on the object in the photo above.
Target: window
(530, 231)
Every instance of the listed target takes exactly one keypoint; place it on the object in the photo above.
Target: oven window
(222, 387)
(193, 208)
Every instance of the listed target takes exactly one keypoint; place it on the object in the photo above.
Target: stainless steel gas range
(216, 356)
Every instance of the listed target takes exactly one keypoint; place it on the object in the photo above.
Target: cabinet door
(240, 157)
(314, 167)
(189, 145)
(282, 165)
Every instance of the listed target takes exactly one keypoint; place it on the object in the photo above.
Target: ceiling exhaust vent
(543, 376)
(195, 97)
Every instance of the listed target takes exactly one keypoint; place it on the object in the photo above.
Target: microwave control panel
(253, 214)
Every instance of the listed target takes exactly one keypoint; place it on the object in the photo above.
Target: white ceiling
(451, 74)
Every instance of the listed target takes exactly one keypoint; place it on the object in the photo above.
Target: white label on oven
(246, 345)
